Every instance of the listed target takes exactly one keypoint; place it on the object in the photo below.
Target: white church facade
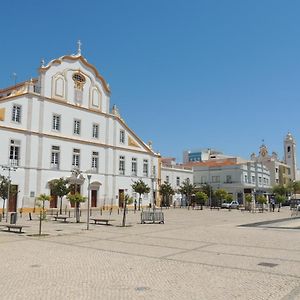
(61, 122)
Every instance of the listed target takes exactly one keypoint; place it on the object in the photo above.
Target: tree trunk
(124, 214)
(77, 212)
(140, 198)
(60, 208)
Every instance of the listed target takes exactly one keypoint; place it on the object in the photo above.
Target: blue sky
(184, 74)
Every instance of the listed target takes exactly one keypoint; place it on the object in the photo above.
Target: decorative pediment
(132, 142)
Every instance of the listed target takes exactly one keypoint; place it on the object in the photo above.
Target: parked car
(232, 204)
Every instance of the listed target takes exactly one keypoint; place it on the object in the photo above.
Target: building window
(55, 157)
(276, 170)
(253, 179)
(289, 149)
(246, 178)
(76, 158)
(228, 179)
(16, 113)
(134, 166)
(56, 122)
(122, 136)
(95, 131)
(122, 165)
(203, 179)
(167, 179)
(145, 167)
(259, 180)
(95, 161)
(76, 127)
(177, 181)
(289, 171)
(14, 153)
(215, 178)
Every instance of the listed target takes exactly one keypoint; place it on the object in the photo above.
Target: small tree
(141, 188)
(220, 195)
(4, 182)
(201, 198)
(187, 189)
(76, 199)
(279, 199)
(229, 198)
(127, 200)
(166, 191)
(261, 199)
(59, 187)
(248, 199)
(42, 198)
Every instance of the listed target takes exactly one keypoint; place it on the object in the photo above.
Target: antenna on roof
(14, 77)
(79, 44)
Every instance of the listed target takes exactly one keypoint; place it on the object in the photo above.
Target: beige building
(280, 172)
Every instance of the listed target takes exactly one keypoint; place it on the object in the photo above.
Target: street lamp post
(88, 209)
(9, 169)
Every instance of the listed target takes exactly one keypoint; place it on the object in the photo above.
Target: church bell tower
(290, 154)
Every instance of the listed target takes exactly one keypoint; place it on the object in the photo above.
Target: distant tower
(290, 154)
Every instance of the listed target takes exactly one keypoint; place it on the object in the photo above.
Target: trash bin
(13, 218)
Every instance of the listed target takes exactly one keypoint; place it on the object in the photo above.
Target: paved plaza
(196, 254)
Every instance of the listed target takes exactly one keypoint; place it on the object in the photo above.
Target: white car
(232, 204)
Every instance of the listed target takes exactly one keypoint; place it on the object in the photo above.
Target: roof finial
(42, 63)
(79, 47)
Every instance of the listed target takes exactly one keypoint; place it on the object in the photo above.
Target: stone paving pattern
(195, 255)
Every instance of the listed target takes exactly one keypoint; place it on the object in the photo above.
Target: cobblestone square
(196, 254)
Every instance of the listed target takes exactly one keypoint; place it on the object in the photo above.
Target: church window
(16, 113)
(79, 81)
(55, 157)
(289, 149)
(76, 158)
(122, 136)
(56, 122)
(122, 165)
(76, 129)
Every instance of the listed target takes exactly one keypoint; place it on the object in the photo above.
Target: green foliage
(280, 190)
(140, 187)
(166, 191)
(128, 199)
(229, 198)
(201, 198)
(4, 181)
(44, 197)
(248, 198)
(207, 189)
(187, 188)
(279, 198)
(76, 198)
(261, 199)
(221, 194)
(59, 187)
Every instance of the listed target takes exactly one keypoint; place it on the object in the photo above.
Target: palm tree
(187, 189)
(166, 191)
(141, 188)
(59, 187)
(76, 199)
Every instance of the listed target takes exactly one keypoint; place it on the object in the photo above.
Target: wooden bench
(14, 226)
(100, 220)
(56, 218)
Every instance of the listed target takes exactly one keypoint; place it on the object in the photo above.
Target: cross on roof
(79, 47)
